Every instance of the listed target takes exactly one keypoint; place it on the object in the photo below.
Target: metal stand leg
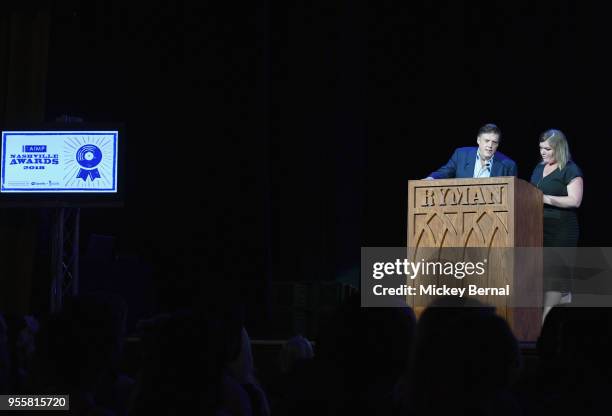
(64, 256)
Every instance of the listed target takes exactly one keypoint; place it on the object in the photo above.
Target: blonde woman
(560, 180)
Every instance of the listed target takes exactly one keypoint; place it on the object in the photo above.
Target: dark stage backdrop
(262, 112)
(291, 128)
(187, 79)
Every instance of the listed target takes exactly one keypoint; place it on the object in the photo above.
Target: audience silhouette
(461, 358)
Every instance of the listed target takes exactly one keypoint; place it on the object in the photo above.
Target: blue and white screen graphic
(59, 161)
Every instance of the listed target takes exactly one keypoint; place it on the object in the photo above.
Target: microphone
(484, 168)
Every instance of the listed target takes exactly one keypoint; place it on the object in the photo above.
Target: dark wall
(186, 79)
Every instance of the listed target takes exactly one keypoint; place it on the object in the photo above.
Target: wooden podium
(490, 216)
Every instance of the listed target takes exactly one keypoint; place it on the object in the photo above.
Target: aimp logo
(88, 156)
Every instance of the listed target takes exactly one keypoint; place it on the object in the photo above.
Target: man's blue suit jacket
(461, 165)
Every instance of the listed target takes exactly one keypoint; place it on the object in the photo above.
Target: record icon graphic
(88, 157)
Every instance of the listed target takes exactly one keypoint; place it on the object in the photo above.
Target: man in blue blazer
(478, 162)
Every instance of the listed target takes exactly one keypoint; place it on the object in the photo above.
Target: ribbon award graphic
(88, 156)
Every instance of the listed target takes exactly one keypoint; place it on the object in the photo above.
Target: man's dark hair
(490, 128)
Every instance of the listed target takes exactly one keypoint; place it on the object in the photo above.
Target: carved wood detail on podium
(485, 213)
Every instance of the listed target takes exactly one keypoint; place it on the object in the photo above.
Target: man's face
(487, 145)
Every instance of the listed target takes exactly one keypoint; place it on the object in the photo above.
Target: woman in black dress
(560, 179)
